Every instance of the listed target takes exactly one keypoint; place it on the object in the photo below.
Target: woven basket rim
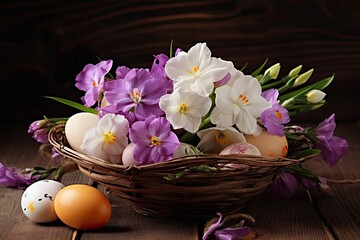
(178, 161)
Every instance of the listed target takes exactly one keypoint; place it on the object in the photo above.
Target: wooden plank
(292, 218)
(20, 150)
(342, 210)
(125, 223)
(318, 217)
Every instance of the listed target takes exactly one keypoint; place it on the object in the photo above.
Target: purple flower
(177, 51)
(39, 130)
(55, 154)
(223, 81)
(271, 95)
(15, 177)
(91, 80)
(276, 116)
(130, 116)
(153, 139)
(213, 227)
(228, 233)
(310, 184)
(332, 148)
(121, 72)
(158, 71)
(295, 129)
(138, 92)
(283, 187)
(236, 233)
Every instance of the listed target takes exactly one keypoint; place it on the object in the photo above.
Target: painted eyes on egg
(46, 195)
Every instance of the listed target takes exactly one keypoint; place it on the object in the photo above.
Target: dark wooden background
(44, 44)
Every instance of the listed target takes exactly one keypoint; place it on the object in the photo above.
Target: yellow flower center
(242, 100)
(155, 141)
(195, 70)
(94, 84)
(135, 95)
(109, 137)
(221, 139)
(183, 108)
(278, 114)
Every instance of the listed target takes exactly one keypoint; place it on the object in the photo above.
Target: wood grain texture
(45, 44)
(342, 210)
(292, 218)
(20, 150)
(125, 223)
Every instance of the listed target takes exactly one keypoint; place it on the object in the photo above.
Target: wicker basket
(177, 188)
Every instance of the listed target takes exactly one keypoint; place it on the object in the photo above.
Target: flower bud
(315, 96)
(295, 71)
(273, 71)
(259, 77)
(287, 102)
(303, 78)
(316, 106)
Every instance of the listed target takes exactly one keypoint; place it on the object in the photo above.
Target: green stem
(64, 168)
(276, 83)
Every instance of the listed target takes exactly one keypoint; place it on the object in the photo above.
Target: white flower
(108, 139)
(196, 70)
(185, 109)
(240, 104)
(315, 96)
(215, 139)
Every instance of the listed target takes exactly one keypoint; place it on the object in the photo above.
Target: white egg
(128, 155)
(37, 201)
(76, 127)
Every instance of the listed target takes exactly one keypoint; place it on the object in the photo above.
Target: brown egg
(269, 144)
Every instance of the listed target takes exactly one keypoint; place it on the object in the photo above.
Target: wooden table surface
(303, 216)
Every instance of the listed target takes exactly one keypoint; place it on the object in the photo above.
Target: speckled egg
(37, 201)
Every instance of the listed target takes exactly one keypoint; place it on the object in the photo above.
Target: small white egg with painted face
(37, 201)
(76, 127)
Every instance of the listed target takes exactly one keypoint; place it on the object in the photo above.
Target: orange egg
(269, 144)
(82, 206)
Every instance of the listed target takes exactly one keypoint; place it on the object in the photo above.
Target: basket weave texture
(176, 188)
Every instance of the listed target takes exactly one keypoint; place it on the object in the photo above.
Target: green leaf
(243, 67)
(171, 177)
(257, 71)
(317, 85)
(300, 171)
(276, 83)
(39, 168)
(171, 49)
(203, 168)
(73, 104)
(308, 152)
